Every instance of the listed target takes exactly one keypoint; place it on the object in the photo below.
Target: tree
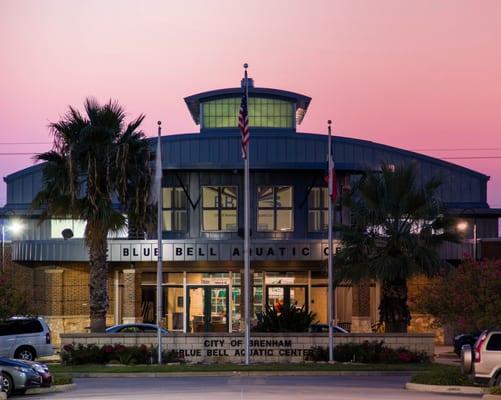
(467, 297)
(97, 161)
(397, 229)
(11, 301)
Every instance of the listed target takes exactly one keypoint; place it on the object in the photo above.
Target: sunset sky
(421, 75)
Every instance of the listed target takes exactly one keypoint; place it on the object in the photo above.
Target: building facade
(203, 220)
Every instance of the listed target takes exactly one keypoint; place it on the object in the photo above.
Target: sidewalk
(445, 355)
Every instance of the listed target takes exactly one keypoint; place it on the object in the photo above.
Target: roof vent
(249, 80)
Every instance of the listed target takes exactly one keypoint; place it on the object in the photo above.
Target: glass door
(279, 296)
(208, 308)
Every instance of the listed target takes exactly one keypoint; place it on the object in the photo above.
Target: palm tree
(396, 231)
(96, 159)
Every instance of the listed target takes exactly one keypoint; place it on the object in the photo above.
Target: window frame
(174, 209)
(264, 112)
(219, 208)
(275, 208)
(324, 208)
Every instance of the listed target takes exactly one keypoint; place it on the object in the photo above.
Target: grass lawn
(448, 375)
(91, 368)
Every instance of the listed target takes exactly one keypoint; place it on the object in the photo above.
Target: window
(77, 226)
(219, 208)
(57, 226)
(318, 215)
(20, 326)
(263, 112)
(174, 210)
(494, 343)
(275, 209)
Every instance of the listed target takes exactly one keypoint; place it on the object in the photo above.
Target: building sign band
(213, 251)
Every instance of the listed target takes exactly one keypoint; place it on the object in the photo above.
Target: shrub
(168, 356)
(92, 354)
(468, 310)
(284, 319)
(368, 352)
(496, 390)
(318, 353)
(445, 375)
(62, 380)
(12, 302)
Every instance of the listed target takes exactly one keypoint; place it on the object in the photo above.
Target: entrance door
(207, 308)
(276, 296)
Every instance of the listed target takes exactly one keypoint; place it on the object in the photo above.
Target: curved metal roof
(302, 102)
(287, 151)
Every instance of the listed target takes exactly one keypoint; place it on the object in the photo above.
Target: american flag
(243, 124)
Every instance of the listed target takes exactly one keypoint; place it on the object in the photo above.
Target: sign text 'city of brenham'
(119, 250)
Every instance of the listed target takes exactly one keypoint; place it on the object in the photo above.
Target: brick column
(361, 308)
(54, 291)
(131, 297)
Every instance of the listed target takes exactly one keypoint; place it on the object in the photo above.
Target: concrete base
(419, 387)
(361, 325)
(265, 347)
(3, 396)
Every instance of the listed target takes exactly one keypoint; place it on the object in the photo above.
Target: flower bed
(112, 354)
(368, 352)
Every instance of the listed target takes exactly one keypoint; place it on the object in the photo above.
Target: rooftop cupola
(274, 109)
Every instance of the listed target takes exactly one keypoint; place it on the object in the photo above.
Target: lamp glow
(16, 227)
(462, 226)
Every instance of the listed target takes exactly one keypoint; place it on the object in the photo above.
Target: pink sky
(412, 74)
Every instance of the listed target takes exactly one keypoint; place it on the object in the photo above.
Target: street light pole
(464, 226)
(474, 238)
(3, 246)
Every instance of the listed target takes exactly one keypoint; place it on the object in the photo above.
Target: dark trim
(186, 192)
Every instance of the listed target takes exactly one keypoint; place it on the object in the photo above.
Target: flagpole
(158, 183)
(248, 295)
(329, 265)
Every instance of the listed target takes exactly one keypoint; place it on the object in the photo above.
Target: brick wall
(20, 276)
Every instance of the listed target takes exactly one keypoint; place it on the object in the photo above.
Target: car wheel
(25, 353)
(498, 380)
(7, 384)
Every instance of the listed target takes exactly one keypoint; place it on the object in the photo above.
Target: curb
(52, 389)
(419, 387)
(491, 397)
(235, 373)
(3, 396)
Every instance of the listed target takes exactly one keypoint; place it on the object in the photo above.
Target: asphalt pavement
(247, 388)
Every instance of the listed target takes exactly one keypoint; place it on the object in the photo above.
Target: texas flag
(333, 188)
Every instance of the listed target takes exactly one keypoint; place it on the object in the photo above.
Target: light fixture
(462, 226)
(16, 227)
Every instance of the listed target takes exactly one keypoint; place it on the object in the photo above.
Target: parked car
(3, 388)
(322, 328)
(18, 376)
(135, 328)
(464, 338)
(25, 338)
(484, 362)
(43, 371)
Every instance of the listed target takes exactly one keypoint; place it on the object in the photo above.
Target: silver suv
(25, 338)
(484, 360)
